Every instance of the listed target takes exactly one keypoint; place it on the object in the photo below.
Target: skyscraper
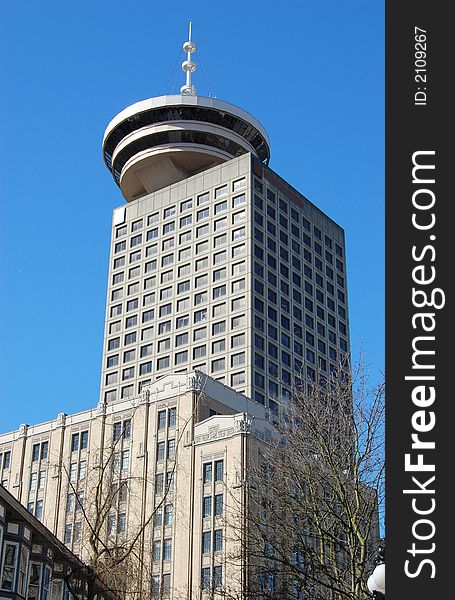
(225, 284)
(216, 263)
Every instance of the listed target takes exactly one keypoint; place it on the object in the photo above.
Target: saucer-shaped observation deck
(162, 140)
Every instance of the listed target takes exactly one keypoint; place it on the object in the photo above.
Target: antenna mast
(188, 67)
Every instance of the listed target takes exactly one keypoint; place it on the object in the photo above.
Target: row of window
(184, 206)
(184, 254)
(168, 244)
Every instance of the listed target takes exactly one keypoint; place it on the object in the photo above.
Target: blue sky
(311, 71)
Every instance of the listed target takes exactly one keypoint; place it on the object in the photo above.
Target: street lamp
(376, 581)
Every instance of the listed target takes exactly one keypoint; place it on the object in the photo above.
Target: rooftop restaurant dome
(156, 142)
(160, 141)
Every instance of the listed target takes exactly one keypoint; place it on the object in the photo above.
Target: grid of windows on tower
(248, 290)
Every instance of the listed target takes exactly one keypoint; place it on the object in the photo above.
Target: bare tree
(314, 494)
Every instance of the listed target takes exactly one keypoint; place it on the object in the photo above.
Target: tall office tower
(217, 266)
(216, 263)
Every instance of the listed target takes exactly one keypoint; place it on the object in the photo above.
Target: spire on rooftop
(188, 67)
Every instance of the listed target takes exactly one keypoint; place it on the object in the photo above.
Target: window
(136, 240)
(205, 578)
(200, 315)
(238, 303)
(128, 373)
(165, 309)
(221, 191)
(219, 470)
(145, 368)
(163, 363)
(132, 304)
(171, 449)
(219, 257)
(41, 480)
(34, 578)
(200, 298)
(218, 540)
(219, 310)
(237, 340)
(169, 228)
(167, 549)
(122, 230)
(202, 263)
(186, 205)
(238, 378)
(181, 339)
(206, 542)
(219, 274)
(238, 217)
(130, 338)
(219, 291)
(207, 472)
(73, 472)
(156, 551)
(35, 452)
(119, 262)
(220, 240)
(218, 365)
(181, 357)
(115, 327)
(238, 233)
(207, 506)
(129, 355)
(117, 294)
(183, 321)
(168, 515)
(185, 221)
(202, 247)
(135, 256)
(160, 447)
(203, 199)
(238, 359)
(165, 260)
(200, 333)
(159, 483)
(33, 479)
(199, 352)
(131, 322)
(220, 223)
(118, 278)
(218, 504)
(82, 472)
(219, 327)
(202, 230)
(202, 214)
(164, 344)
(238, 321)
(218, 346)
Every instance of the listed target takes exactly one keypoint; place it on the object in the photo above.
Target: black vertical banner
(420, 363)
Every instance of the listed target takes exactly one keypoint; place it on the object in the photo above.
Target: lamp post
(376, 581)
